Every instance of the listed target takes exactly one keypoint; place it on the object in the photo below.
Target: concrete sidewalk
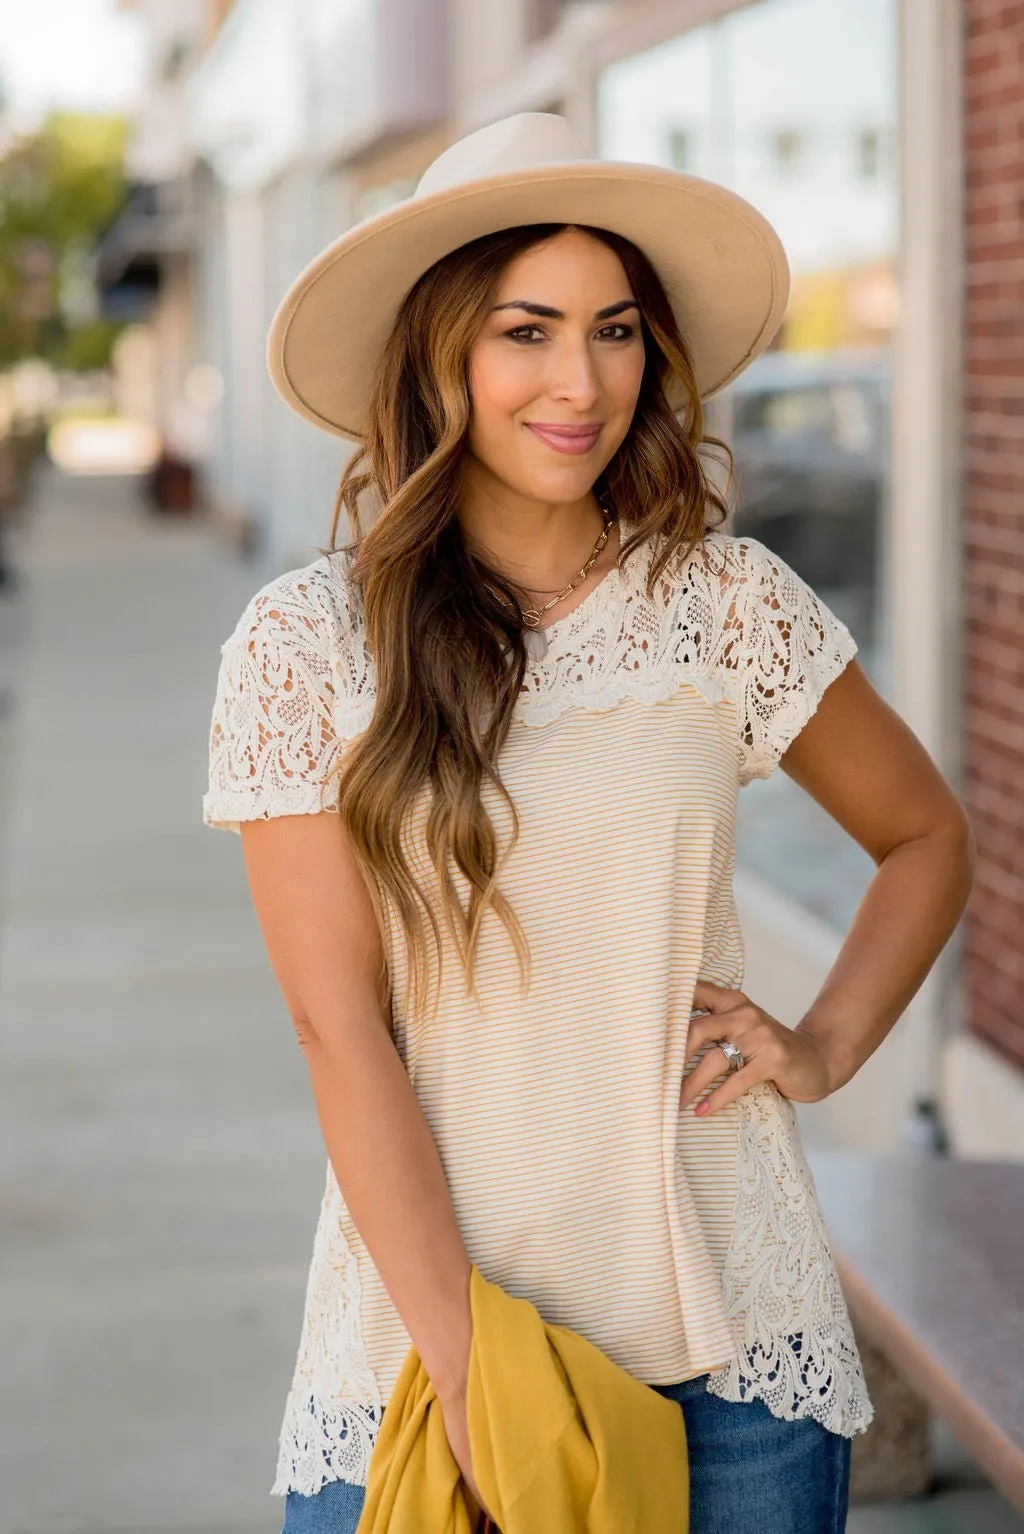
(163, 1166)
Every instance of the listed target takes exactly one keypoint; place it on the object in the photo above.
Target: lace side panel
(794, 646)
(795, 1345)
(334, 1408)
(292, 688)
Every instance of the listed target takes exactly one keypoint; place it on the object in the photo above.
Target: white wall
(983, 1096)
(302, 212)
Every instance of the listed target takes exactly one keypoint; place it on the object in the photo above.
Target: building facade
(986, 1058)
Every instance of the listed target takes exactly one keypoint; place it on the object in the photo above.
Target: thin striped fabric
(678, 1245)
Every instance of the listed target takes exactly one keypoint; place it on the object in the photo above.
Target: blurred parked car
(810, 435)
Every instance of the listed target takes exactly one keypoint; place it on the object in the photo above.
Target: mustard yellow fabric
(563, 1440)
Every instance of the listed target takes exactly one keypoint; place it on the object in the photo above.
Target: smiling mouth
(565, 439)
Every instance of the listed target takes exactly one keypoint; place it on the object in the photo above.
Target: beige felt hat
(721, 262)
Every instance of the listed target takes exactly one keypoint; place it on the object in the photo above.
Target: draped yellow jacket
(563, 1441)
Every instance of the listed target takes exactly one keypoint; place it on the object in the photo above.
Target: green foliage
(58, 186)
(85, 156)
(84, 348)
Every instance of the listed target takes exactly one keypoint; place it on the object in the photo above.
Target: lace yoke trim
(619, 643)
(296, 682)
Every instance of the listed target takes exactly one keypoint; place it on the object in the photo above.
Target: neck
(538, 545)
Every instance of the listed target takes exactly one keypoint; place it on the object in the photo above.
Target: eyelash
(514, 335)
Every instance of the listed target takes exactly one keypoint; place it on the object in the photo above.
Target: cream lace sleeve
(290, 692)
(793, 647)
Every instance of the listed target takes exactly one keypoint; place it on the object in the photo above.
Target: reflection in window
(810, 441)
(793, 104)
(788, 146)
(869, 153)
(680, 149)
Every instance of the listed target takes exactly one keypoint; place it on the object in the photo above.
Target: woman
(526, 696)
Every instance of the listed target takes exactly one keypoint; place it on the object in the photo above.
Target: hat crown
(518, 143)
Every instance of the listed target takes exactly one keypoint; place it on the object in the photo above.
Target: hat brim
(721, 262)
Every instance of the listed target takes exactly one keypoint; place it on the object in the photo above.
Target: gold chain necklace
(531, 616)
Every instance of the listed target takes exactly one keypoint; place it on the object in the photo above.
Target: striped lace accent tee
(679, 1245)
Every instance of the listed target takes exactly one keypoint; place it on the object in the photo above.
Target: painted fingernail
(701, 1108)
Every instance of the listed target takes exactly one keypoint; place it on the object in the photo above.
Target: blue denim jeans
(750, 1473)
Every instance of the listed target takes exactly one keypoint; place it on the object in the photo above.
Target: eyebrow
(547, 313)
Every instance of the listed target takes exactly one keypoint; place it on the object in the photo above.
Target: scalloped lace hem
(830, 1388)
(321, 1443)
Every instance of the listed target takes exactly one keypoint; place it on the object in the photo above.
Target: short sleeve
(793, 646)
(288, 699)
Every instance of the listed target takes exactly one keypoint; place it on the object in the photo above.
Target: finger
(706, 993)
(704, 1031)
(699, 1081)
(708, 1069)
(739, 1082)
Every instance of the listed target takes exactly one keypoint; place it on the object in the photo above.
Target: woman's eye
(525, 333)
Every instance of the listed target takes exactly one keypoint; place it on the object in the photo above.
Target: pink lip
(565, 439)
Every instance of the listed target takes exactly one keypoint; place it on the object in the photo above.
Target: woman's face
(555, 370)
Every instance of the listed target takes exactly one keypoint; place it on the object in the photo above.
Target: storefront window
(793, 104)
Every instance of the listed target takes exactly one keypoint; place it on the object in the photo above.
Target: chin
(559, 494)
(556, 487)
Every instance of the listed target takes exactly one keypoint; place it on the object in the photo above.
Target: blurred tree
(58, 186)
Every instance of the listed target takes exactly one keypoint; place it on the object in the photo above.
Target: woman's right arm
(292, 670)
(324, 945)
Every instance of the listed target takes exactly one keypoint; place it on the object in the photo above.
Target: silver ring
(732, 1053)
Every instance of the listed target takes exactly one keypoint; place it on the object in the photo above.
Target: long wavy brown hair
(448, 652)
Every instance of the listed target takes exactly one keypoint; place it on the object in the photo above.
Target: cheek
(622, 376)
(500, 388)
(500, 384)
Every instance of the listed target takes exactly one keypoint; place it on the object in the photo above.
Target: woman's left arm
(866, 767)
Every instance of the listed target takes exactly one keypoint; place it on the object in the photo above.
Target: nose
(573, 374)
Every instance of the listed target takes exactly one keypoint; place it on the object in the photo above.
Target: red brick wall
(994, 516)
